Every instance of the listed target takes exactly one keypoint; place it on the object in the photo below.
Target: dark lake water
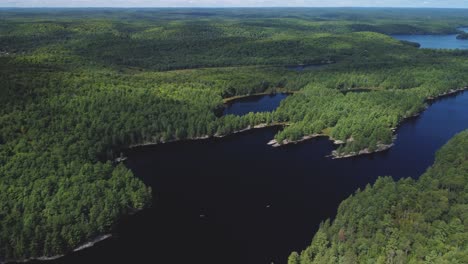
(437, 41)
(237, 200)
(260, 103)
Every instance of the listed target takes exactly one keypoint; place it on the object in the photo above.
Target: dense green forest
(409, 221)
(79, 86)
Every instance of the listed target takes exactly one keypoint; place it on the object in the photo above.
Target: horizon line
(229, 7)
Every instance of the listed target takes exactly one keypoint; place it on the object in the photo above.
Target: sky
(235, 3)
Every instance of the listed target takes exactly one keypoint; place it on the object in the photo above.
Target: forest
(78, 87)
(408, 221)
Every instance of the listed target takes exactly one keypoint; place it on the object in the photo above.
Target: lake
(256, 103)
(437, 41)
(237, 200)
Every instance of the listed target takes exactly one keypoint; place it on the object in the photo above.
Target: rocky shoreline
(379, 148)
(334, 154)
(46, 258)
(259, 126)
(273, 143)
(92, 242)
(285, 142)
(448, 93)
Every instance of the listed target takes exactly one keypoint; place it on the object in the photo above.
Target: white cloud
(232, 3)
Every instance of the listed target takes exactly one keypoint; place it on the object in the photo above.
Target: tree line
(76, 91)
(408, 221)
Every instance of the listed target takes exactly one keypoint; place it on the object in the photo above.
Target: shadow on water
(237, 200)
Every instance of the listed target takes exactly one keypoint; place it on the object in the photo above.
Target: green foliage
(79, 86)
(408, 221)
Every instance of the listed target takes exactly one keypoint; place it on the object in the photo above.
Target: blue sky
(233, 3)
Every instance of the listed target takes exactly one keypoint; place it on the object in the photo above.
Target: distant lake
(437, 41)
(237, 200)
(256, 104)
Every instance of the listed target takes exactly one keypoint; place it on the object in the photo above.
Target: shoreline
(80, 247)
(366, 151)
(273, 143)
(380, 147)
(249, 128)
(274, 91)
(92, 242)
(276, 144)
(448, 93)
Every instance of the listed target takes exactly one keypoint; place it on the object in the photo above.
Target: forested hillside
(409, 221)
(78, 86)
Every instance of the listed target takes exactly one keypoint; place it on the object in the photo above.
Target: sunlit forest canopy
(78, 86)
(408, 221)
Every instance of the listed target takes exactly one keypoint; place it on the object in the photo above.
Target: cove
(255, 103)
(437, 41)
(237, 200)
